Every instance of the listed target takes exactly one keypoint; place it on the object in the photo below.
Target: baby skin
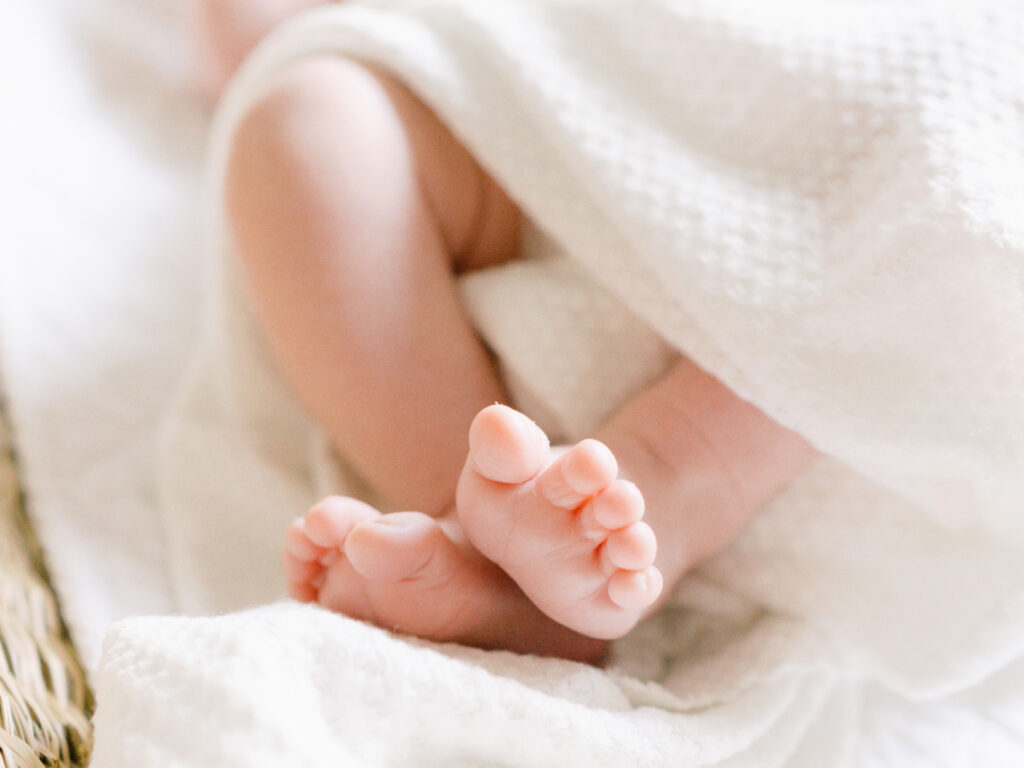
(354, 209)
(545, 551)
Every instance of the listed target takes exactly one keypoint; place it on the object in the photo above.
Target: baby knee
(325, 93)
(320, 126)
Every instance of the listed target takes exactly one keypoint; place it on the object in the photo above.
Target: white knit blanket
(821, 205)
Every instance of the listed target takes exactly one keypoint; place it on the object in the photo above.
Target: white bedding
(867, 618)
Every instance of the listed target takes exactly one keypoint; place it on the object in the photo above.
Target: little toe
(584, 470)
(505, 446)
(298, 545)
(300, 571)
(302, 576)
(330, 520)
(395, 547)
(635, 590)
(632, 548)
(304, 593)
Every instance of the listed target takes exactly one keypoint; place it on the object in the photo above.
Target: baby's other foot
(398, 570)
(562, 524)
(412, 573)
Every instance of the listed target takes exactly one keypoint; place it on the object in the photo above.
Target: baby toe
(298, 544)
(505, 446)
(582, 471)
(304, 593)
(303, 577)
(330, 520)
(631, 548)
(393, 547)
(635, 590)
(299, 571)
(619, 505)
(589, 466)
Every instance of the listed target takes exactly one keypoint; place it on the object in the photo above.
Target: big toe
(399, 546)
(505, 446)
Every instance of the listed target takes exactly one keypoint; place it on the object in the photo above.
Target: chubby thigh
(352, 207)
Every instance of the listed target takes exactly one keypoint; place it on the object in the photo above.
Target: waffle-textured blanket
(821, 205)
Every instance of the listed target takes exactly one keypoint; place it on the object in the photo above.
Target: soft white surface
(823, 211)
(101, 148)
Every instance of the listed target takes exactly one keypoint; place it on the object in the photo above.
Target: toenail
(524, 426)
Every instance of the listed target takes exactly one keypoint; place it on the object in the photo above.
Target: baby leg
(706, 459)
(547, 552)
(575, 558)
(566, 527)
(351, 207)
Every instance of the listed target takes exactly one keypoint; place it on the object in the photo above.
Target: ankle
(705, 460)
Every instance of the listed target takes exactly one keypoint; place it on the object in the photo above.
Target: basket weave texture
(45, 703)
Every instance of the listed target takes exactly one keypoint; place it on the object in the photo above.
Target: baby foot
(562, 525)
(411, 573)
